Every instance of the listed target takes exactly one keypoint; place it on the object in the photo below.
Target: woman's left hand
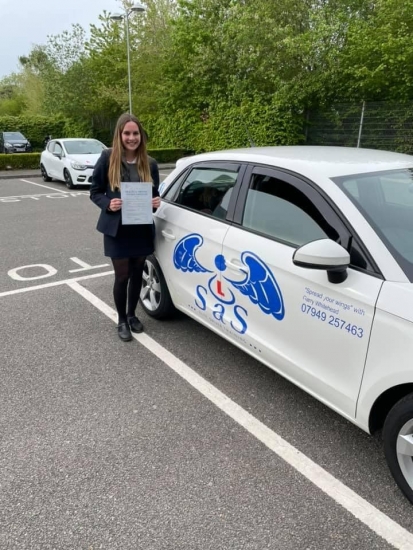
(156, 202)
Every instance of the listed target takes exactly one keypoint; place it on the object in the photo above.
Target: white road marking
(84, 266)
(26, 196)
(55, 283)
(45, 186)
(35, 195)
(378, 522)
(50, 271)
(57, 195)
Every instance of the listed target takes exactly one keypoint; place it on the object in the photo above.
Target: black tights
(127, 287)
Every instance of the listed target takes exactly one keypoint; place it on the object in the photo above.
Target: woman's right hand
(115, 205)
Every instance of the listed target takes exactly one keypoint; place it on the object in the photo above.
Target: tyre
(398, 444)
(45, 176)
(155, 298)
(68, 179)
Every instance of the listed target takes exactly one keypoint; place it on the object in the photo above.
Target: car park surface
(122, 446)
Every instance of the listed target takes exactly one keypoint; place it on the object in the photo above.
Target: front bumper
(81, 177)
(13, 149)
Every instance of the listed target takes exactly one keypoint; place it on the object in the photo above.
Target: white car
(70, 160)
(303, 258)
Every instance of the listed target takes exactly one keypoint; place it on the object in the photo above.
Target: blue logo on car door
(257, 282)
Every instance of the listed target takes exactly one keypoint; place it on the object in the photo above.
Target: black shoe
(124, 332)
(135, 324)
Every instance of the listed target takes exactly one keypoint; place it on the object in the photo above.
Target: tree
(377, 61)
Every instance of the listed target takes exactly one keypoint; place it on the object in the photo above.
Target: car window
(13, 136)
(208, 190)
(50, 146)
(173, 189)
(58, 148)
(84, 147)
(280, 210)
(351, 187)
(386, 200)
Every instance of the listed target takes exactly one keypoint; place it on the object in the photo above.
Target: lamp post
(136, 8)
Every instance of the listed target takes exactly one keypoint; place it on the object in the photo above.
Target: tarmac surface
(176, 440)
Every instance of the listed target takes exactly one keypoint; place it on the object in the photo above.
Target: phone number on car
(335, 322)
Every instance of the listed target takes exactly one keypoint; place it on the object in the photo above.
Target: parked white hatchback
(303, 258)
(70, 160)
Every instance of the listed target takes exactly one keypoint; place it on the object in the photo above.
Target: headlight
(7, 144)
(78, 166)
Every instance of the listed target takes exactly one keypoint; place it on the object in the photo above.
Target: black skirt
(131, 241)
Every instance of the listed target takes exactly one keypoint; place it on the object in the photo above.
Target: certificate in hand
(136, 203)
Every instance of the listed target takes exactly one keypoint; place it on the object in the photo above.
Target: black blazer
(101, 193)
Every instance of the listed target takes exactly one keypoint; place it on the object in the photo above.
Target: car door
(47, 158)
(314, 332)
(55, 160)
(190, 227)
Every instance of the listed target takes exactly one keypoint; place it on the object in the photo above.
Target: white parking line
(45, 186)
(35, 195)
(55, 283)
(378, 522)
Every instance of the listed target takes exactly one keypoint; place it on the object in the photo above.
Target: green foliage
(12, 101)
(74, 128)
(20, 161)
(212, 74)
(377, 60)
(165, 156)
(11, 107)
(229, 126)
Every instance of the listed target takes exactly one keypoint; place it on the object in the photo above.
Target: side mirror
(161, 187)
(324, 254)
(58, 155)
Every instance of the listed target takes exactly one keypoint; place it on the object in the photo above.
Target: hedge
(36, 128)
(169, 155)
(226, 126)
(20, 161)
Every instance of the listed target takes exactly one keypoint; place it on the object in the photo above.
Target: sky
(24, 23)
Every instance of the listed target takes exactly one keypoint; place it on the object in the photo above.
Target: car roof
(313, 160)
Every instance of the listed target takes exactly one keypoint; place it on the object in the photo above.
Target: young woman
(126, 245)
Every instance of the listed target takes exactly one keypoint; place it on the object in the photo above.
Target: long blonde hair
(115, 163)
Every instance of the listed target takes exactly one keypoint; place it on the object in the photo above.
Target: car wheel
(155, 297)
(398, 444)
(68, 179)
(45, 175)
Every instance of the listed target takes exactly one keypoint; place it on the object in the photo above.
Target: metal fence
(380, 125)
